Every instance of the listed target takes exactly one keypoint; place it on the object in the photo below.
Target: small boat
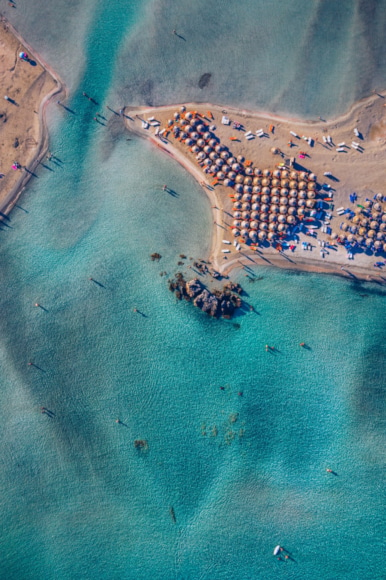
(225, 242)
(172, 514)
(277, 550)
(226, 251)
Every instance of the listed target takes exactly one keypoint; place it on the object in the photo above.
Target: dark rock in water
(155, 256)
(216, 303)
(204, 80)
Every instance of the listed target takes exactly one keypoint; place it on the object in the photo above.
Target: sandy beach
(351, 170)
(28, 84)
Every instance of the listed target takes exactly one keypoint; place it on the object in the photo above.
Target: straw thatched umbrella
(194, 136)
(379, 196)
(256, 190)
(285, 183)
(294, 175)
(382, 227)
(284, 192)
(189, 142)
(334, 235)
(235, 167)
(291, 220)
(212, 142)
(353, 229)
(301, 211)
(201, 128)
(244, 233)
(246, 206)
(293, 193)
(255, 206)
(284, 174)
(196, 149)
(356, 219)
(311, 203)
(292, 211)
(263, 226)
(368, 203)
(228, 182)
(254, 225)
(240, 158)
(247, 180)
(236, 233)
(262, 236)
(275, 191)
(266, 190)
(274, 150)
(283, 201)
(255, 215)
(263, 217)
(293, 184)
(257, 181)
(264, 207)
(377, 245)
(371, 234)
(258, 172)
(272, 217)
(176, 115)
(267, 173)
(272, 227)
(312, 177)
(383, 218)
(220, 175)
(266, 181)
(248, 189)
(226, 168)
(302, 203)
(275, 182)
(219, 162)
(232, 175)
(283, 209)
(239, 190)
(303, 175)
(274, 208)
(245, 224)
(248, 171)
(247, 196)
(237, 223)
(350, 238)
(302, 194)
(237, 214)
(201, 156)
(364, 222)
(311, 186)
(237, 205)
(256, 196)
(271, 236)
(265, 198)
(362, 231)
(302, 185)
(374, 225)
(253, 236)
(281, 219)
(239, 179)
(225, 155)
(207, 149)
(231, 160)
(384, 247)
(380, 236)
(275, 199)
(188, 129)
(213, 155)
(218, 148)
(368, 242)
(293, 202)
(282, 228)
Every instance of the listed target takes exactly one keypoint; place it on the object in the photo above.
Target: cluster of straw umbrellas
(265, 203)
(366, 225)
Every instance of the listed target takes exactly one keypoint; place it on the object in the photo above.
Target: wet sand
(361, 172)
(29, 84)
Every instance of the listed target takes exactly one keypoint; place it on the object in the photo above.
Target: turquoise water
(242, 472)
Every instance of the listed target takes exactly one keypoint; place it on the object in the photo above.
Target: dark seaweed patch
(204, 80)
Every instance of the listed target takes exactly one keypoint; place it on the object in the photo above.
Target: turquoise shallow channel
(238, 439)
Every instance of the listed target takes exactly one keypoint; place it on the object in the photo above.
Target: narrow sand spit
(29, 84)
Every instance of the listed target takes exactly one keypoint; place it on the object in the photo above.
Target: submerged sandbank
(28, 83)
(353, 160)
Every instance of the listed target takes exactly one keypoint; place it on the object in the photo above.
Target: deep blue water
(243, 472)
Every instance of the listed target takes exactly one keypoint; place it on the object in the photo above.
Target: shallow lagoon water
(242, 472)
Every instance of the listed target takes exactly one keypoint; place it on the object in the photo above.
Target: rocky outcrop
(216, 303)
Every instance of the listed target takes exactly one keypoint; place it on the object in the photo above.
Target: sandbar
(28, 84)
